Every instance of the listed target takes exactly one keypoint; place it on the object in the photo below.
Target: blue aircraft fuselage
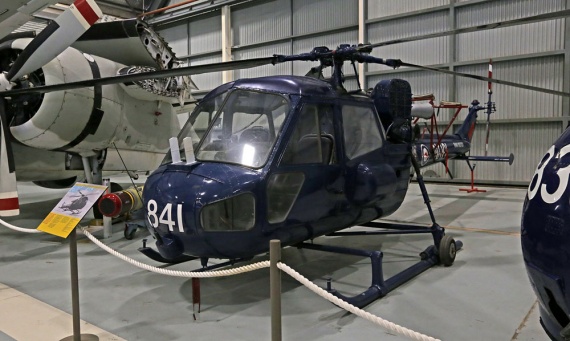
(282, 157)
(545, 237)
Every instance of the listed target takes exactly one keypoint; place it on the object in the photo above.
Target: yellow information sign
(71, 209)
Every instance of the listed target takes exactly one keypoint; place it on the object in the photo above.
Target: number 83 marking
(562, 173)
(165, 217)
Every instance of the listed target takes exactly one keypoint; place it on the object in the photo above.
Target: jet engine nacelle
(79, 120)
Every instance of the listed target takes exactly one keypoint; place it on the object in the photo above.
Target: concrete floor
(485, 295)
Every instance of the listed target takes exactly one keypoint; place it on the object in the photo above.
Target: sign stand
(62, 222)
(77, 336)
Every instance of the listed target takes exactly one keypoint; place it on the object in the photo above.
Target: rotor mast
(336, 58)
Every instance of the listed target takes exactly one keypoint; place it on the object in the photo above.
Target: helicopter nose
(168, 203)
(169, 198)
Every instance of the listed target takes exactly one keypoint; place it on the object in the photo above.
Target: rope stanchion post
(107, 221)
(77, 336)
(275, 285)
(196, 298)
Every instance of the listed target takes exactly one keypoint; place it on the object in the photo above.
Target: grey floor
(485, 295)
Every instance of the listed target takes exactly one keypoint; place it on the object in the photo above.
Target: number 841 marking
(562, 173)
(165, 217)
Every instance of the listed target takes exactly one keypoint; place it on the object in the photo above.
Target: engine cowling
(95, 112)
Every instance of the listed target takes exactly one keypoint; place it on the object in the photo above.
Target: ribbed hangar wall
(526, 122)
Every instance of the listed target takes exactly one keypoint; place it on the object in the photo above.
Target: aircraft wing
(15, 13)
(128, 42)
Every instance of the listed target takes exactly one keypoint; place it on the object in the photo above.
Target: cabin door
(308, 184)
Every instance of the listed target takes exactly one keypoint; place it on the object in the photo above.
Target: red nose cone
(110, 205)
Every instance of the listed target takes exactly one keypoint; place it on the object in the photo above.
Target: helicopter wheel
(129, 232)
(447, 250)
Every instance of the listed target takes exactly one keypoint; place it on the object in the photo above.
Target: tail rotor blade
(9, 204)
(56, 37)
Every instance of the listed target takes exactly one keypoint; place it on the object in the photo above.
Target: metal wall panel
(409, 26)
(263, 51)
(514, 103)
(318, 15)
(209, 80)
(177, 38)
(261, 22)
(422, 52)
(384, 8)
(500, 10)
(205, 34)
(33, 25)
(524, 39)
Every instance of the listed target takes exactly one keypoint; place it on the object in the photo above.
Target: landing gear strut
(443, 251)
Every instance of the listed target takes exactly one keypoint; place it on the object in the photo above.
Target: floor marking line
(524, 321)
(475, 229)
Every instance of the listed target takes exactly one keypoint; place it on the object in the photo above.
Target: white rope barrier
(176, 273)
(19, 229)
(247, 268)
(349, 307)
(310, 285)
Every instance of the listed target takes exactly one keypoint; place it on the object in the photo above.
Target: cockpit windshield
(242, 130)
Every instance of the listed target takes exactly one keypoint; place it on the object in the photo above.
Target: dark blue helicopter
(545, 238)
(290, 158)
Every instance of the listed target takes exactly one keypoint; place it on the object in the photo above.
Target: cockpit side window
(197, 124)
(362, 132)
(245, 129)
(312, 140)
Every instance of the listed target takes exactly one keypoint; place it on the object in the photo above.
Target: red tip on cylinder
(110, 205)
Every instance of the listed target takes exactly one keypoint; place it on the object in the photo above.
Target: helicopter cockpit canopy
(238, 127)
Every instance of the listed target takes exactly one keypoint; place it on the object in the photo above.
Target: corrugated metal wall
(526, 122)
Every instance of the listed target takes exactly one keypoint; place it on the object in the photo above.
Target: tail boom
(508, 159)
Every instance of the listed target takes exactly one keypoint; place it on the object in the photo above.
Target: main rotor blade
(187, 70)
(520, 21)
(482, 78)
(56, 37)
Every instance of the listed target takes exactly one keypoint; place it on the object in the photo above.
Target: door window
(312, 140)
(362, 132)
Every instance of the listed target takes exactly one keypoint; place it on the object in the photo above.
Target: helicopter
(76, 204)
(544, 237)
(441, 148)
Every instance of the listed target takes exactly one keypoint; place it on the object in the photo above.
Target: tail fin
(466, 130)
